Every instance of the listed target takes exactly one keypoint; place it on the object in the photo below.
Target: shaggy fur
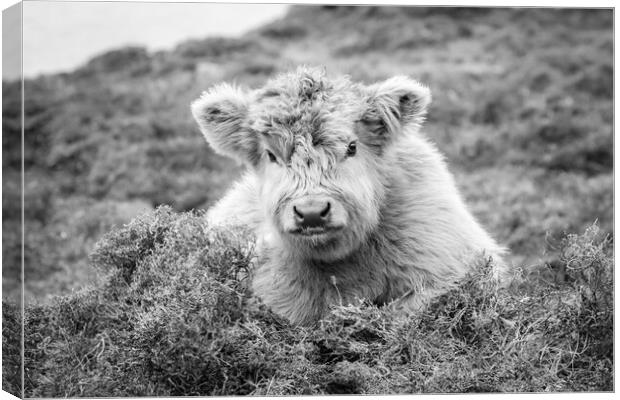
(397, 230)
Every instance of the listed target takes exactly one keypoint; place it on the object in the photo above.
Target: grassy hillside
(522, 109)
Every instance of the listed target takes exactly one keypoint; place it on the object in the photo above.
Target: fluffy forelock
(305, 108)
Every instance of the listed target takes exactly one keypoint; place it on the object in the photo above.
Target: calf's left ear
(221, 114)
(393, 105)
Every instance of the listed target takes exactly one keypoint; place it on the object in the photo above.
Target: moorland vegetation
(128, 292)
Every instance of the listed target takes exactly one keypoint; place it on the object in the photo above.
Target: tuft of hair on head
(305, 82)
(395, 104)
(312, 81)
(221, 113)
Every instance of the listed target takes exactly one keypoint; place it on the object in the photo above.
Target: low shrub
(134, 58)
(175, 316)
(11, 349)
(216, 47)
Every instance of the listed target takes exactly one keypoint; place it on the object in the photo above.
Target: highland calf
(347, 199)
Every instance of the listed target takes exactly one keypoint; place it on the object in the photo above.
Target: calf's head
(318, 147)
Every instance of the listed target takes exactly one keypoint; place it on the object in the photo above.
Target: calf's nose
(311, 212)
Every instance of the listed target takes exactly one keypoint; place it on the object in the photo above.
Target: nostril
(297, 213)
(325, 212)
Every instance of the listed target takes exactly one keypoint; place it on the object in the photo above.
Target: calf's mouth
(315, 231)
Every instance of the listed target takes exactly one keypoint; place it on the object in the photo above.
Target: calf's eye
(351, 149)
(272, 158)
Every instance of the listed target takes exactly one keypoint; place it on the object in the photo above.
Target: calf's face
(317, 146)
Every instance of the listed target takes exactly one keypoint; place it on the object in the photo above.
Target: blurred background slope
(522, 109)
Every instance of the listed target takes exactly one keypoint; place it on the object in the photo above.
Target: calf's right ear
(221, 114)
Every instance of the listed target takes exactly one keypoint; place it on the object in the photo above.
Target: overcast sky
(59, 36)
